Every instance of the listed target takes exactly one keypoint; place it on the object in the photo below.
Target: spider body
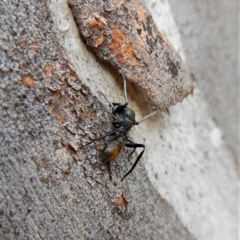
(123, 121)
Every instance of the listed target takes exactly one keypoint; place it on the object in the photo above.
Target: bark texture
(51, 187)
(124, 34)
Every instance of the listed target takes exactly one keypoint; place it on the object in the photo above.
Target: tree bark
(124, 34)
(55, 187)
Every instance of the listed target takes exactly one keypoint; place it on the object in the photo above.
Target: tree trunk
(53, 186)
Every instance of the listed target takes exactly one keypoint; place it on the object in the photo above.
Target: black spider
(123, 121)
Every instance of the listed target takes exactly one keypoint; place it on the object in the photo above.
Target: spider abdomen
(112, 149)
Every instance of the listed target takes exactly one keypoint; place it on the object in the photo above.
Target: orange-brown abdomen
(112, 149)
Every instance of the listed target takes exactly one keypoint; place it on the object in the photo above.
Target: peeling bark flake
(124, 34)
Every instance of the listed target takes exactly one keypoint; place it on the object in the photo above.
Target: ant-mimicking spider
(123, 121)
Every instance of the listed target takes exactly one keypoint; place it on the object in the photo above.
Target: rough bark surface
(51, 187)
(124, 34)
(185, 186)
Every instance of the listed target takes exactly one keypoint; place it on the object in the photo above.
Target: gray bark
(54, 188)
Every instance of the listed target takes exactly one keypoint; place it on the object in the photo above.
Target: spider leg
(120, 107)
(147, 116)
(109, 102)
(112, 115)
(109, 170)
(111, 133)
(125, 88)
(131, 153)
(131, 141)
(134, 145)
